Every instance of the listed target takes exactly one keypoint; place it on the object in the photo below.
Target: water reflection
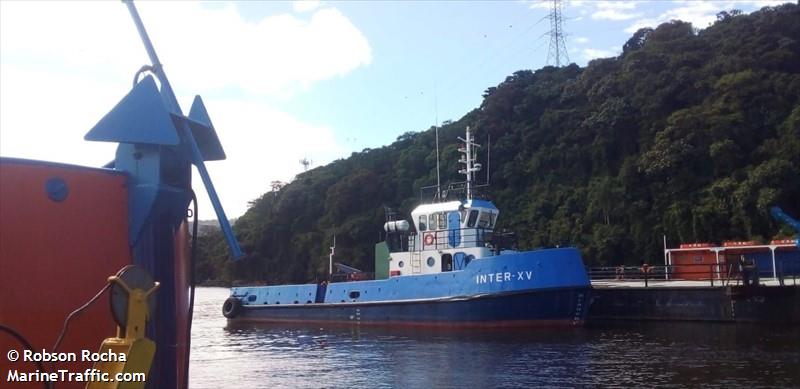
(615, 354)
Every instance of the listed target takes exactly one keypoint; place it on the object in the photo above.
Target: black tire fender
(231, 307)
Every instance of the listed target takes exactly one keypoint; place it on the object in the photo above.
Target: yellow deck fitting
(128, 356)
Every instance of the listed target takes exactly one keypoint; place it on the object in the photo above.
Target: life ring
(231, 307)
(429, 239)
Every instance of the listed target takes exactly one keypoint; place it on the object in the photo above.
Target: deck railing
(465, 237)
(343, 277)
(715, 274)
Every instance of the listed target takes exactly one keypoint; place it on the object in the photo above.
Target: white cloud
(700, 13)
(215, 46)
(581, 40)
(617, 5)
(613, 14)
(590, 54)
(306, 5)
(45, 115)
(616, 10)
(262, 145)
(65, 64)
(540, 4)
(762, 3)
(546, 4)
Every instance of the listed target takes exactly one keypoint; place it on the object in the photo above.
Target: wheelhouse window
(423, 222)
(473, 217)
(486, 220)
(442, 221)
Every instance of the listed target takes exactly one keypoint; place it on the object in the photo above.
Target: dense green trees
(689, 134)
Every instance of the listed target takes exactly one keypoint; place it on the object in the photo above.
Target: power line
(557, 52)
(493, 56)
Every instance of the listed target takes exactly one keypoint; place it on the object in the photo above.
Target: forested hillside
(689, 134)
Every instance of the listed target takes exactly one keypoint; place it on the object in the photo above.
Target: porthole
(431, 261)
(56, 189)
(355, 294)
(400, 264)
(251, 298)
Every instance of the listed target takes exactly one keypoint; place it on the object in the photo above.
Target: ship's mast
(468, 159)
(438, 176)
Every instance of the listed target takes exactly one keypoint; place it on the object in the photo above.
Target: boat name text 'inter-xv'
(503, 277)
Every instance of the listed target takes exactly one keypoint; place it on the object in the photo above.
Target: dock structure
(780, 256)
(738, 282)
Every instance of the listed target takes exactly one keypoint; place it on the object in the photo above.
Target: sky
(284, 81)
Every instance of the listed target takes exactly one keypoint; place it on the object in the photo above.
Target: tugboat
(451, 271)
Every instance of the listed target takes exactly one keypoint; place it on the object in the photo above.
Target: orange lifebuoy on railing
(429, 239)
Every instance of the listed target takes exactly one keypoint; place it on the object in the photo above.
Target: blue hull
(543, 287)
(555, 307)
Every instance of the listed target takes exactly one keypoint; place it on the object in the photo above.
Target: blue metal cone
(204, 133)
(140, 117)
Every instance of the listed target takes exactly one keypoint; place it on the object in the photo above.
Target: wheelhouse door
(454, 229)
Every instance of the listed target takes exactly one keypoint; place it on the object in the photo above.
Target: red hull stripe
(420, 324)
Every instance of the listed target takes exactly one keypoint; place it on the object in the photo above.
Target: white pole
(666, 258)
(774, 271)
(330, 257)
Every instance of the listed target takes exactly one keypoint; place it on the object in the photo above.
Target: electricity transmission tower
(306, 163)
(557, 52)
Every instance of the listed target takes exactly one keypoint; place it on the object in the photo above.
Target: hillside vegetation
(689, 134)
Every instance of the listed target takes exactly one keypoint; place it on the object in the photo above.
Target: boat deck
(726, 300)
(662, 283)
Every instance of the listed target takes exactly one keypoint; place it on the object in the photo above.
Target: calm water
(624, 355)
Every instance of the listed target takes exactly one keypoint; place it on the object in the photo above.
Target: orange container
(694, 264)
(63, 231)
